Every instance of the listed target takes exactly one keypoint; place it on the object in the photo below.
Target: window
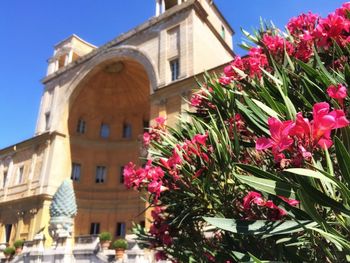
(121, 229)
(127, 131)
(76, 169)
(81, 127)
(175, 69)
(223, 32)
(4, 179)
(20, 175)
(95, 228)
(47, 120)
(104, 132)
(121, 177)
(100, 174)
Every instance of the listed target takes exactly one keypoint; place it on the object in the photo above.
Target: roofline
(77, 37)
(223, 18)
(30, 141)
(142, 27)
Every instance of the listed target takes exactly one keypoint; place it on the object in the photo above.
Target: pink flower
(160, 120)
(224, 81)
(344, 10)
(146, 138)
(318, 131)
(196, 100)
(280, 139)
(338, 92)
(291, 202)
(334, 27)
(303, 24)
(201, 139)
(277, 44)
(252, 197)
(325, 121)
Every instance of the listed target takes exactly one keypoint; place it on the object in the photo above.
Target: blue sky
(30, 29)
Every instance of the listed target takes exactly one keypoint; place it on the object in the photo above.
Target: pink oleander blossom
(280, 139)
(338, 92)
(334, 27)
(302, 25)
(274, 212)
(252, 197)
(318, 131)
(276, 44)
(291, 202)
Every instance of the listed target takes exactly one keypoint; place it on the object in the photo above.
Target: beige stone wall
(208, 51)
(217, 20)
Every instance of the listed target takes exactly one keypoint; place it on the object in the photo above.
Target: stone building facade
(96, 103)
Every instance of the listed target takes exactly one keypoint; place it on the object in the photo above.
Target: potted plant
(9, 252)
(105, 240)
(18, 246)
(120, 245)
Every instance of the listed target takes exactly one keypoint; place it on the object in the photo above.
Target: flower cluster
(149, 177)
(190, 151)
(276, 45)
(154, 132)
(250, 65)
(298, 139)
(273, 211)
(338, 92)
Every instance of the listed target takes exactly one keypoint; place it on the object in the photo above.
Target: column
(157, 8)
(9, 176)
(162, 7)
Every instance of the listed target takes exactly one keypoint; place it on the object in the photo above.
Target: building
(96, 103)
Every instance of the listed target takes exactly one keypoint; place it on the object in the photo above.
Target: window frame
(120, 230)
(127, 130)
(73, 176)
(81, 126)
(105, 130)
(101, 178)
(95, 228)
(174, 69)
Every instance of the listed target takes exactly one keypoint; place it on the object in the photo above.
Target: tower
(96, 103)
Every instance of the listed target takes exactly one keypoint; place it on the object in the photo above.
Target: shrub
(105, 236)
(18, 243)
(9, 251)
(262, 168)
(120, 243)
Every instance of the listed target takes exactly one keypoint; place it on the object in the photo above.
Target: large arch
(112, 91)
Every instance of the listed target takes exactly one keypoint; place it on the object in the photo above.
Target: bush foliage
(262, 169)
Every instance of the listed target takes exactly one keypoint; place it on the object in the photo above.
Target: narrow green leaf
(260, 227)
(266, 108)
(268, 186)
(311, 173)
(343, 158)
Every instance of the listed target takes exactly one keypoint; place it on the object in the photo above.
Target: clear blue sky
(29, 30)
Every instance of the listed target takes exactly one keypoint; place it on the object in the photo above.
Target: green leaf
(266, 108)
(257, 172)
(311, 173)
(260, 227)
(268, 186)
(343, 158)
